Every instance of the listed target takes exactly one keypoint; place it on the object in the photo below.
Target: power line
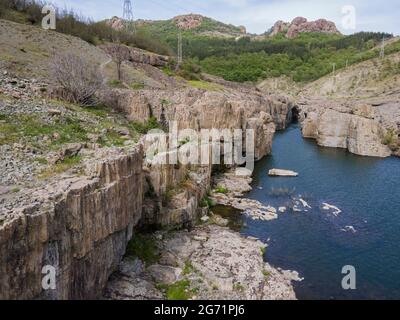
(180, 49)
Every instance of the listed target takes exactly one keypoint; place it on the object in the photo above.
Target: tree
(119, 53)
(76, 79)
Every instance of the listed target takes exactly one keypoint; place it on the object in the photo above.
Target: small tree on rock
(119, 53)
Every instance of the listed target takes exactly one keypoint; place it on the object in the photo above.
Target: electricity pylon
(382, 53)
(128, 16)
(180, 49)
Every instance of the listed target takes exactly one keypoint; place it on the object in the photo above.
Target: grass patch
(263, 251)
(41, 160)
(60, 167)
(178, 291)
(205, 85)
(266, 274)
(112, 138)
(143, 247)
(100, 111)
(31, 126)
(222, 190)
(137, 86)
(168, 71)
(8, 133)
(391, 140)
(188, 268)
(238, 287)
(144, 128)
(206, 202)
(115, 84)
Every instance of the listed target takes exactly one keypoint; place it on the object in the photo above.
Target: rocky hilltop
(300, 25)
(190, 23)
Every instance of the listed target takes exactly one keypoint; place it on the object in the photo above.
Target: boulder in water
(282, 173)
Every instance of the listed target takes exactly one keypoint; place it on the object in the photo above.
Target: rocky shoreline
(207, 263)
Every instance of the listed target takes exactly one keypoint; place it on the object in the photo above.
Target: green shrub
(179, 290)
(144, 128)
(390, 139)
(221, 189)
(188, 268)
(206, 202)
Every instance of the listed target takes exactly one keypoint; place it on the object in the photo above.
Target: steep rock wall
(356, 129)
(200, 109)
(79, 225)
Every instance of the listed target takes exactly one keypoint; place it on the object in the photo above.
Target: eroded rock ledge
(210, 263)
(356, 128)
(80, 225)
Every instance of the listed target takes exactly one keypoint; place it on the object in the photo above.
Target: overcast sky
(257, 15)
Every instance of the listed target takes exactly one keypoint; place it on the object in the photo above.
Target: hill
(191, 25)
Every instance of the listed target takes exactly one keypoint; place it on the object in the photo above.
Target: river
(318, 241)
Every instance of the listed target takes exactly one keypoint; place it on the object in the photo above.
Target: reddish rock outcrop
(188, 22)
(300, 24)
(115, 23)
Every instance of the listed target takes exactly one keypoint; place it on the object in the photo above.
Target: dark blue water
(315, 243)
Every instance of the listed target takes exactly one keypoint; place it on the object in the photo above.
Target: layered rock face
(300, 25)
(136, 55)
(173, 193)
(200, 109)
(197, 109)
(79, 225)
(355, 129)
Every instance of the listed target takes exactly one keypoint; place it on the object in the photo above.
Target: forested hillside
(306, 58)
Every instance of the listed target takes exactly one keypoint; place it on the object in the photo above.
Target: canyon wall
(201, 109)
(80, 225)
(357, 128)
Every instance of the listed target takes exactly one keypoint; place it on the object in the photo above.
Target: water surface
(317, 242)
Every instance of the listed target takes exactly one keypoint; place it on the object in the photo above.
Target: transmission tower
(180, 49)
(128, 16)
(382, 53)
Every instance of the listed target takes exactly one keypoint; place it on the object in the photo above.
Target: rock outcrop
(79, 225)
(201, 109)
(282, 173)
(300, 25)
(137, 55)
(212, 262)
(188, 22)
(279, 27)
(352, 128)
(116, 23)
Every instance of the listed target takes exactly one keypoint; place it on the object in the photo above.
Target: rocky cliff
(356, 128)
(201, 109)
(300, 25)
(80, 225)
